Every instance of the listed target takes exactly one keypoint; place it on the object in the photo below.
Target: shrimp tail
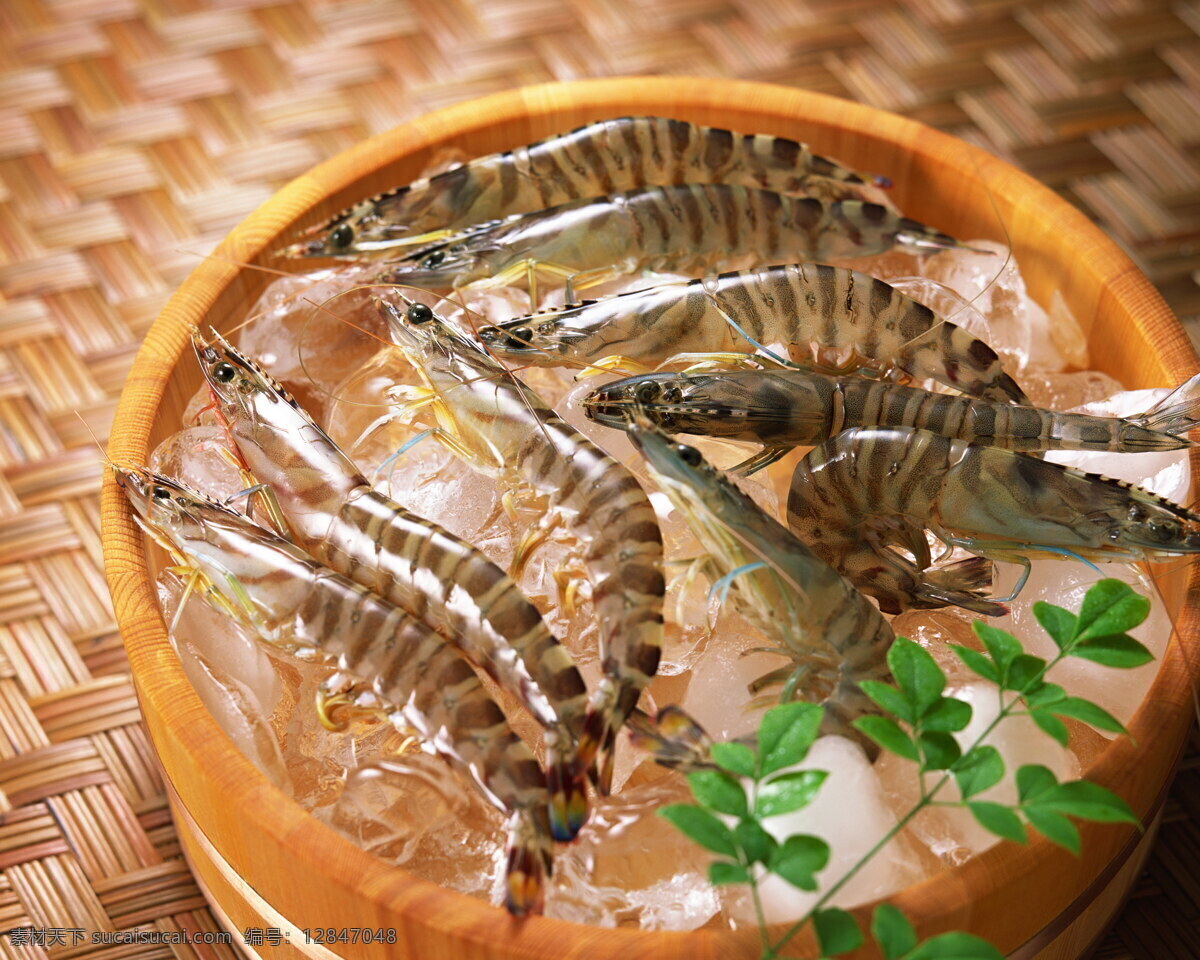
(916, 234)
(566, 781)
(963, 584)
(673, 738)
(1176, 413)
(529, 865)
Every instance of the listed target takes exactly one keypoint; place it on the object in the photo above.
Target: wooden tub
(266, 863)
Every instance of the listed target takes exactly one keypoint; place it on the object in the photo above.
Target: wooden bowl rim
(134, 599)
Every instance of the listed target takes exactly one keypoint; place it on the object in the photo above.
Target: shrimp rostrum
(832, 634)
(863, 500)
(783, 409)
(600, 158)
(500, 427)
(830, 318)
(335, 514)
(292, 601)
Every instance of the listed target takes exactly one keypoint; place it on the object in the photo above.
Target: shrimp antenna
(1003, 229)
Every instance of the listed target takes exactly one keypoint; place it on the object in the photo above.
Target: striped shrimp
(336, 515)
(292, 601)
(806, 305)
(690, 228)
(782, 409)
(873, 488)
(502, 428)
(602, 158)
(834, 636)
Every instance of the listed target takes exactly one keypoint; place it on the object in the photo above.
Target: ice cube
(201, 458)
(851, 814)
(1066, 391)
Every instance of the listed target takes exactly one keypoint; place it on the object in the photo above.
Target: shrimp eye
(673, 395)
(162, 493)
(646, 391)
(521, 333)
(689, 455)
(419, 313)
(434, 259)
(1137, 512)
(341, 236)
(224, 373)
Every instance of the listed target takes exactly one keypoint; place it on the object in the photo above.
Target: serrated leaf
(1088, 712)
(887, 733)
(978, 770)
(1034, 781)
(892, 931)
(977, 662)
(723, 872)
(947, 715)
(792, 791)
(1110, 607)
(719, 791)
(941, 751)
(1055, 828)
(758, 845)
(1088, 801)
(955, 946)
(998, 819)
(889, 699)
(1049, 724)
(916, 674)
(1003, 647)
(837, 931)
(1057, 622)
(798, 859)
(701, 827)
(1024, 671)
(1118, 650)
(785, 734)
(736, 758)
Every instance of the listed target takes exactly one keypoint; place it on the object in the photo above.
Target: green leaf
(978, 770)
(723, 872)
(1055, 828)
(998, 819)
(786, 733)
(1003, 647)
(1048, 723)
(1044, 694)
(719, 791)
(941, 751)
(1088, 801)
(977, 662)
(1034, 781)
(955, 946)
(701, 827)
(1118, 650)
(892, 931)
(837, 931)
(887, 733)
(736, 758)
(792, 791)
(798, 858)
(890, 700)
(947, 715)
(1025, 671)
(1057, 622)
(1110, 607)
(916, 674)
(758, 845)
(1080, 709)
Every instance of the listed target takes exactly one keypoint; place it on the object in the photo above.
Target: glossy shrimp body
(601, 158)
(690, 228)
(804, 306)
(872, 488)
(782, 409)
(833, 634)
(445, 581)
(294, 602)
(502, 428)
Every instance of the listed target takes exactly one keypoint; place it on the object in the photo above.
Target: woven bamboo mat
(135, 133)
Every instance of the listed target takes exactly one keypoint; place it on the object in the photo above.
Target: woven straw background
(135, 133)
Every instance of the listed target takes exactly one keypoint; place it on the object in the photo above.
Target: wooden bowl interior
(939, 180)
